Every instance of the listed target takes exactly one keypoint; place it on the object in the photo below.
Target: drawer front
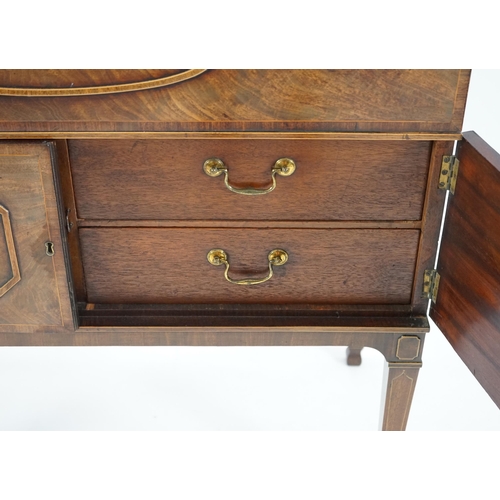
(333, 180)
(143, 265)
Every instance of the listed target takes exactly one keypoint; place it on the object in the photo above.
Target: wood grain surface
(334, 180)
(468, 303)
(40, 300)
(170, 265)
(258, 100)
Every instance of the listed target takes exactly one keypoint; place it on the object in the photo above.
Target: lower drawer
(170, 265)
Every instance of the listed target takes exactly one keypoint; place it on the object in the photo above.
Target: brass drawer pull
(277, 257)
(214, 167)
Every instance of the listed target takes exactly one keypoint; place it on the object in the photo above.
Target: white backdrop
(289, 388)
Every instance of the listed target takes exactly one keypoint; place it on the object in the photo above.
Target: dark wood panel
(40, 299)
(140, 319)
(170, 265)
(68, 210)
(468, 303)
(363, 312)
(334, 180)
(253, 100)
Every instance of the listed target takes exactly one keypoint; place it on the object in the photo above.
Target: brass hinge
(449, 172)
(431, 285)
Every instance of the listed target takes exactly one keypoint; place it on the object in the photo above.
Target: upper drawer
(333, 180)
(233, 100)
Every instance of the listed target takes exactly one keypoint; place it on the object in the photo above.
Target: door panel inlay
(11, 256)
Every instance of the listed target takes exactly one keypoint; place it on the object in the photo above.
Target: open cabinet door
(467, 309)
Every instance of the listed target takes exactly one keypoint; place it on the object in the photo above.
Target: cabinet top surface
(99, 101)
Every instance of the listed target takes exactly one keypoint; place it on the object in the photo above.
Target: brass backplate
(285, 166)
(217, 257)
(278, 257)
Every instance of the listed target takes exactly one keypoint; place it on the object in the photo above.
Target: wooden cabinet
(248, 207)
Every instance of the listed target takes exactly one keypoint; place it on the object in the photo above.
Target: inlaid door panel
(33, 284)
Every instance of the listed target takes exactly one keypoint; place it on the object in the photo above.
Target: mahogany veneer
(109, 216)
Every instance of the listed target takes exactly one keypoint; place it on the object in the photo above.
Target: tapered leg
(397, 393)
(353, 356)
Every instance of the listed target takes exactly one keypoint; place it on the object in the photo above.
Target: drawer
(333, 179)
(161, 266)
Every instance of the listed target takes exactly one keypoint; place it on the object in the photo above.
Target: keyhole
(49, 248)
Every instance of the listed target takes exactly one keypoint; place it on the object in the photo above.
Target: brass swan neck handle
(214, 167)
(276, 257)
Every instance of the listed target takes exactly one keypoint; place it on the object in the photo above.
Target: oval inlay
(110, 81)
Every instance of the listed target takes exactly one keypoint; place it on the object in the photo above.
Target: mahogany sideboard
(250, 207)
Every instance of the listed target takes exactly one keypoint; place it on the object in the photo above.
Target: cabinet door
(468, 303)
(34, 291)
